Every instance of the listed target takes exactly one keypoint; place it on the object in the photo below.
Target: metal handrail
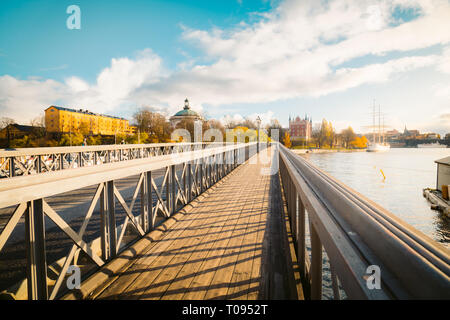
(16, 152)
(356, 233)
(27, 188)
(26, 161)
(199, 170)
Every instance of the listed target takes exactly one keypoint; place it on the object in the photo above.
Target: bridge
(201, 221)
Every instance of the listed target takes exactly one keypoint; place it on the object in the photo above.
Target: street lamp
(258, 122)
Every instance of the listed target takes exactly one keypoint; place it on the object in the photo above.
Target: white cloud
(24, 99)
(293, 51)
(444, 63)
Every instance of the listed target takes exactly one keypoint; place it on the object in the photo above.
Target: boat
(431, 145)
(378, 147)
(381, 145)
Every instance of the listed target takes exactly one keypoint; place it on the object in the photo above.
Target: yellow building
(58, 119)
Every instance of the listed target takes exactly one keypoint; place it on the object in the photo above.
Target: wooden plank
(132, 277)
(215, 252)
(255, 287)
(218, 287)
(126, 278)
(168, 267)
(186, 275)
(203, 277)
(241, 278)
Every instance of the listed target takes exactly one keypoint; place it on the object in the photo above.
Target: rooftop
(85, 112)
(186, 112)
(445, 160)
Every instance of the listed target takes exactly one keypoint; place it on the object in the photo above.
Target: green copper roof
(186, 112)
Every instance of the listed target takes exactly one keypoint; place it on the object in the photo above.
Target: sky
(232, 59)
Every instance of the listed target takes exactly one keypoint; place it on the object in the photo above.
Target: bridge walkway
(232, 242)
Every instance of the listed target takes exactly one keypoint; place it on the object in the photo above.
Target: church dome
(186, 112)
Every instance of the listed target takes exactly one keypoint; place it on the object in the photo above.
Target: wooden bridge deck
(230, 244)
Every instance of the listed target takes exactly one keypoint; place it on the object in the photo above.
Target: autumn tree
(324, 134)
(84, 128)
(359, 143)
(348, 135)
(287, 140)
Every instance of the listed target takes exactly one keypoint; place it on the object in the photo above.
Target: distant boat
(378, 147)
(381, 145)
(431, 145)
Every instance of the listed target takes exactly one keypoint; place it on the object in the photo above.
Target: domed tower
(186, 113)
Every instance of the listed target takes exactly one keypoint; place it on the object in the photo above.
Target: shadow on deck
(232, 242)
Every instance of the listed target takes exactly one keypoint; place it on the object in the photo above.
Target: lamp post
(258, 122)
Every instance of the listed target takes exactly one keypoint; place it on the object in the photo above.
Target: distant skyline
(232, 59)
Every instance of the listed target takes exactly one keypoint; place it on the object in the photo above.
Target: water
(407, 170)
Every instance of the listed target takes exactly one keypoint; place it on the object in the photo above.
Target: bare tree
(38, 125)
(155, 124)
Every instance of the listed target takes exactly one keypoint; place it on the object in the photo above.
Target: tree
(359, 143)
(275, 125)
(84, 128)
(332, 136)
(215, 125)
(5, 123)
(348, 135)
(155, 124)
(38, 125)
(74, 139)
(189, 125)
(287, 140)
(324, 134)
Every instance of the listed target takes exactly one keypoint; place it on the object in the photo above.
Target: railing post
(80, 159)
(12, 169)
(61, 161)
(294, 212)
(168, 191)
(148, 181)
(201, 174)
(184, 181)
(144, 204)
(104, 223)
(224, 166)
(189, 182)
(301, 243)
(36, 254)
(174, 189)
(39, 164)
(108, 222)
(111, 219)
(316, 264)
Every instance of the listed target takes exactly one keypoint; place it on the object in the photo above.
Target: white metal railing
(26, 161)
(28, 195)
(357, 233)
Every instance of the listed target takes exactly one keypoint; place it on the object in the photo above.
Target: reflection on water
(407, 172)
(394, 180)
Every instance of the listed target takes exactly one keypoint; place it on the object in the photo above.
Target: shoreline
(305, 151)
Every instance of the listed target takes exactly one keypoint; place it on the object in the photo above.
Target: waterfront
(407, 170)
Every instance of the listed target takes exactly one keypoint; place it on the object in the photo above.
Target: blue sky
(233, 59)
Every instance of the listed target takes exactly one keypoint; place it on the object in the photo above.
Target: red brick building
(300, 129)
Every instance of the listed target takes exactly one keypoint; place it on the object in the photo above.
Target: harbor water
(395, 180)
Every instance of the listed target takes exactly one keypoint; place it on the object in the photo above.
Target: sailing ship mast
(373, 123)
(379, 125)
